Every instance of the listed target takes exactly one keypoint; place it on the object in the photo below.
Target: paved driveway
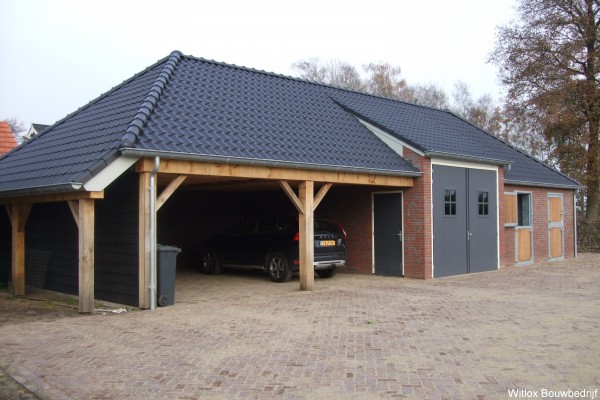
(354, 337)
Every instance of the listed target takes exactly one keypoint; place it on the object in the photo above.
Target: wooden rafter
(292, 196)
(50, 198)
(181, 167)
(74, 207)
(322, 192)
(169, 190)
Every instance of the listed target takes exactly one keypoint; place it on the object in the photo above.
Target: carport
(88, 188)
(297, 183)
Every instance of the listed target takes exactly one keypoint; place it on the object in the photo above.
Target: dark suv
(271, 244)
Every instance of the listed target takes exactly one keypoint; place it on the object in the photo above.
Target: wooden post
(307, 246)
(86, 255)
(18, 214)
(144, 240)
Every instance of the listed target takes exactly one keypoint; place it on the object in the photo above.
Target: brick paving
(238, 335)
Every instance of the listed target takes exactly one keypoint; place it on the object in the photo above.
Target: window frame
(485, 203)
(450, 203)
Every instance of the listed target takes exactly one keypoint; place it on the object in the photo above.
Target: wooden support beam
(307, 243)
(18, 214)
(74, 207)
(322, 192)
(86, 255)
(51, 198)
(144, 240)
(169, 190)
(181, 167)
(292, 196)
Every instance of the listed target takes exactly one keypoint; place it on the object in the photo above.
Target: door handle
(469, 234)
(399, 234)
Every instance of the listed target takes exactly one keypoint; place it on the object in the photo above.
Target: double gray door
(387, 233)
(465, 226)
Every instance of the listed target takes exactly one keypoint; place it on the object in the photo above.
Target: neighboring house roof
(7, 139)
(35, 129)
(191, 108)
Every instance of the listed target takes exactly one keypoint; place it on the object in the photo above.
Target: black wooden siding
(5, 248)
(116, 255)
(51, 231)
(52, 245)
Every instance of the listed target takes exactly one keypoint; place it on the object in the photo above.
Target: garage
(189, 146)
(465, 220)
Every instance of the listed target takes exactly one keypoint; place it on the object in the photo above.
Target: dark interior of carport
(203, 205)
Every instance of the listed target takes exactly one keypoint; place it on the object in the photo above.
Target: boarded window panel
(555, 209)
(524, 245)
(510, 208)
(556, 242)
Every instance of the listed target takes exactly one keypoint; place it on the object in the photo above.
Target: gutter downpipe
(152, 286)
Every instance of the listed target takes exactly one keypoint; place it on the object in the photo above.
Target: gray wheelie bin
(166, 266)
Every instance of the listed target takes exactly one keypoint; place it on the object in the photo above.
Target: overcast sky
(57, 55)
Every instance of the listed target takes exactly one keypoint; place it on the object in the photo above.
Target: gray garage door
(387, 226)
(464, 221)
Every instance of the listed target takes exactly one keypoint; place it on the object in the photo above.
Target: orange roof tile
(7, 139)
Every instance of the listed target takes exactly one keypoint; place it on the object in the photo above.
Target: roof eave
(543, 184)
(69, 187)
(461, 157)
(262, 162)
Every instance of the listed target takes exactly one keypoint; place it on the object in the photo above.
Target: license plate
(327, 242)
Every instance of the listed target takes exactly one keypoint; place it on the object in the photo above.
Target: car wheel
(278, 267)
(210, 263)
(327, 273)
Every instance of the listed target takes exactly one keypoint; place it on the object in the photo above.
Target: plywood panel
(510, 209)
(556, 242)
(524, 245)
(555, 209)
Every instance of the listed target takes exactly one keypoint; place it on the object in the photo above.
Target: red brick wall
(418, 245)
(507, 239)
(540, 225)
(350, 206)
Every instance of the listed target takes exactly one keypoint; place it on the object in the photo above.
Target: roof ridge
(525, 153)
(141, 118)
(301, 80)
(357, 114)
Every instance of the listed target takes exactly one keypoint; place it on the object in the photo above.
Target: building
(188, 146)
(7, 138)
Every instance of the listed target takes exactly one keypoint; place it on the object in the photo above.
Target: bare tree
(18, 128)
(333, 72)
(385, 80)
(548, 60)
(430, 95)
(482, 112)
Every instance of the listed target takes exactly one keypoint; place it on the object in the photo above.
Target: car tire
(327, 273)
(278, 267)
(210, 263)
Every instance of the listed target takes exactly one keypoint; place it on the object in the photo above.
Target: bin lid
(162, 247)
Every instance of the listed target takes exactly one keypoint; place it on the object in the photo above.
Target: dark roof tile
(197, 107)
